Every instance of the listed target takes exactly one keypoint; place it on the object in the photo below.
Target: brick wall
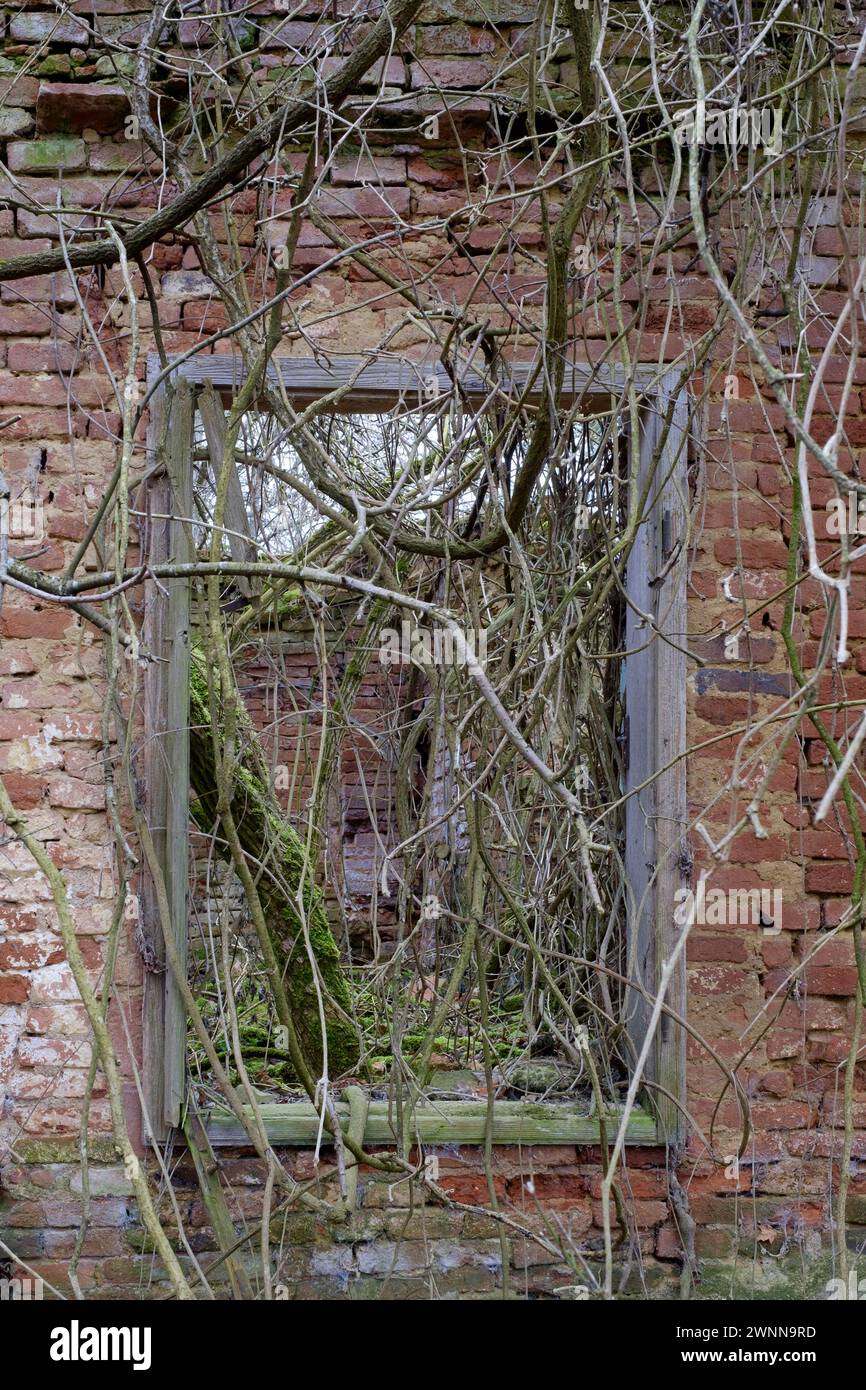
(64, 113)
(281, 683)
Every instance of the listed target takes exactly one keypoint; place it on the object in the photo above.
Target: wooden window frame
(656, 810)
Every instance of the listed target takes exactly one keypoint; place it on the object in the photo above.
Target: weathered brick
(28, 953)
(71, 792)
(368, 202)
(48, 27)
(18, 90)
(14, 989)
(187, 284)
(71, 106)
(367, 168)
(47, 153)
(51, 289)
(829, 878)
(23, 319)
(452, 72)
(14, 121)
(831, 980)
(455, 38)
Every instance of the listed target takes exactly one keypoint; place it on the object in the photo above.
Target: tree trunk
(269, 839)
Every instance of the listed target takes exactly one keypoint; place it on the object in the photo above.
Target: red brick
(669, 1245)
(13, 726)
(27, 622)
(752, 553)
(73, 793)
(710, 979)
(777, 1083)
(822, 844)
(370, 202)
(783, 1044)
(829, 878)
(73, 106)
(752, 647)
(23, 319)
(46, 356)
(831, 980)
(25, 791)
(455, 38)
(366, 168)
(835, 950)
(726, 948)
(25, 390)
(642, 1213)
(28, 953)
(470, 1188)
(452, 72)
(828, 1049)
(18, 91)
(14, 989)
(716, 709)
(635, 1183)
(782, 1115)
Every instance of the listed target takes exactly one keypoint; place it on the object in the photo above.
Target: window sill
(446, 1122)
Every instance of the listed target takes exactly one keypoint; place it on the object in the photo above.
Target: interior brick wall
(62, 125)
(281, 681)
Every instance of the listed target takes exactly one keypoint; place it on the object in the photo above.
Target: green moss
(64, 1151)
(797, 1276)
(56, 65)
(55, 152)
(265, 1062)
(110, 66)
(297, 1228)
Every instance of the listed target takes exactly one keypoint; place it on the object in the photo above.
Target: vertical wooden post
(655, 681)
(165, 760)
(669, 742)
(641, 700)
(178, 457)
(153, 783)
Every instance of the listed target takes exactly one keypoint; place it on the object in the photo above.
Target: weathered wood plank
(447, 1122)
(655, 681)
(641, 700)
(153, 780)
(383, 383)
(671, 614)
(176, 738)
